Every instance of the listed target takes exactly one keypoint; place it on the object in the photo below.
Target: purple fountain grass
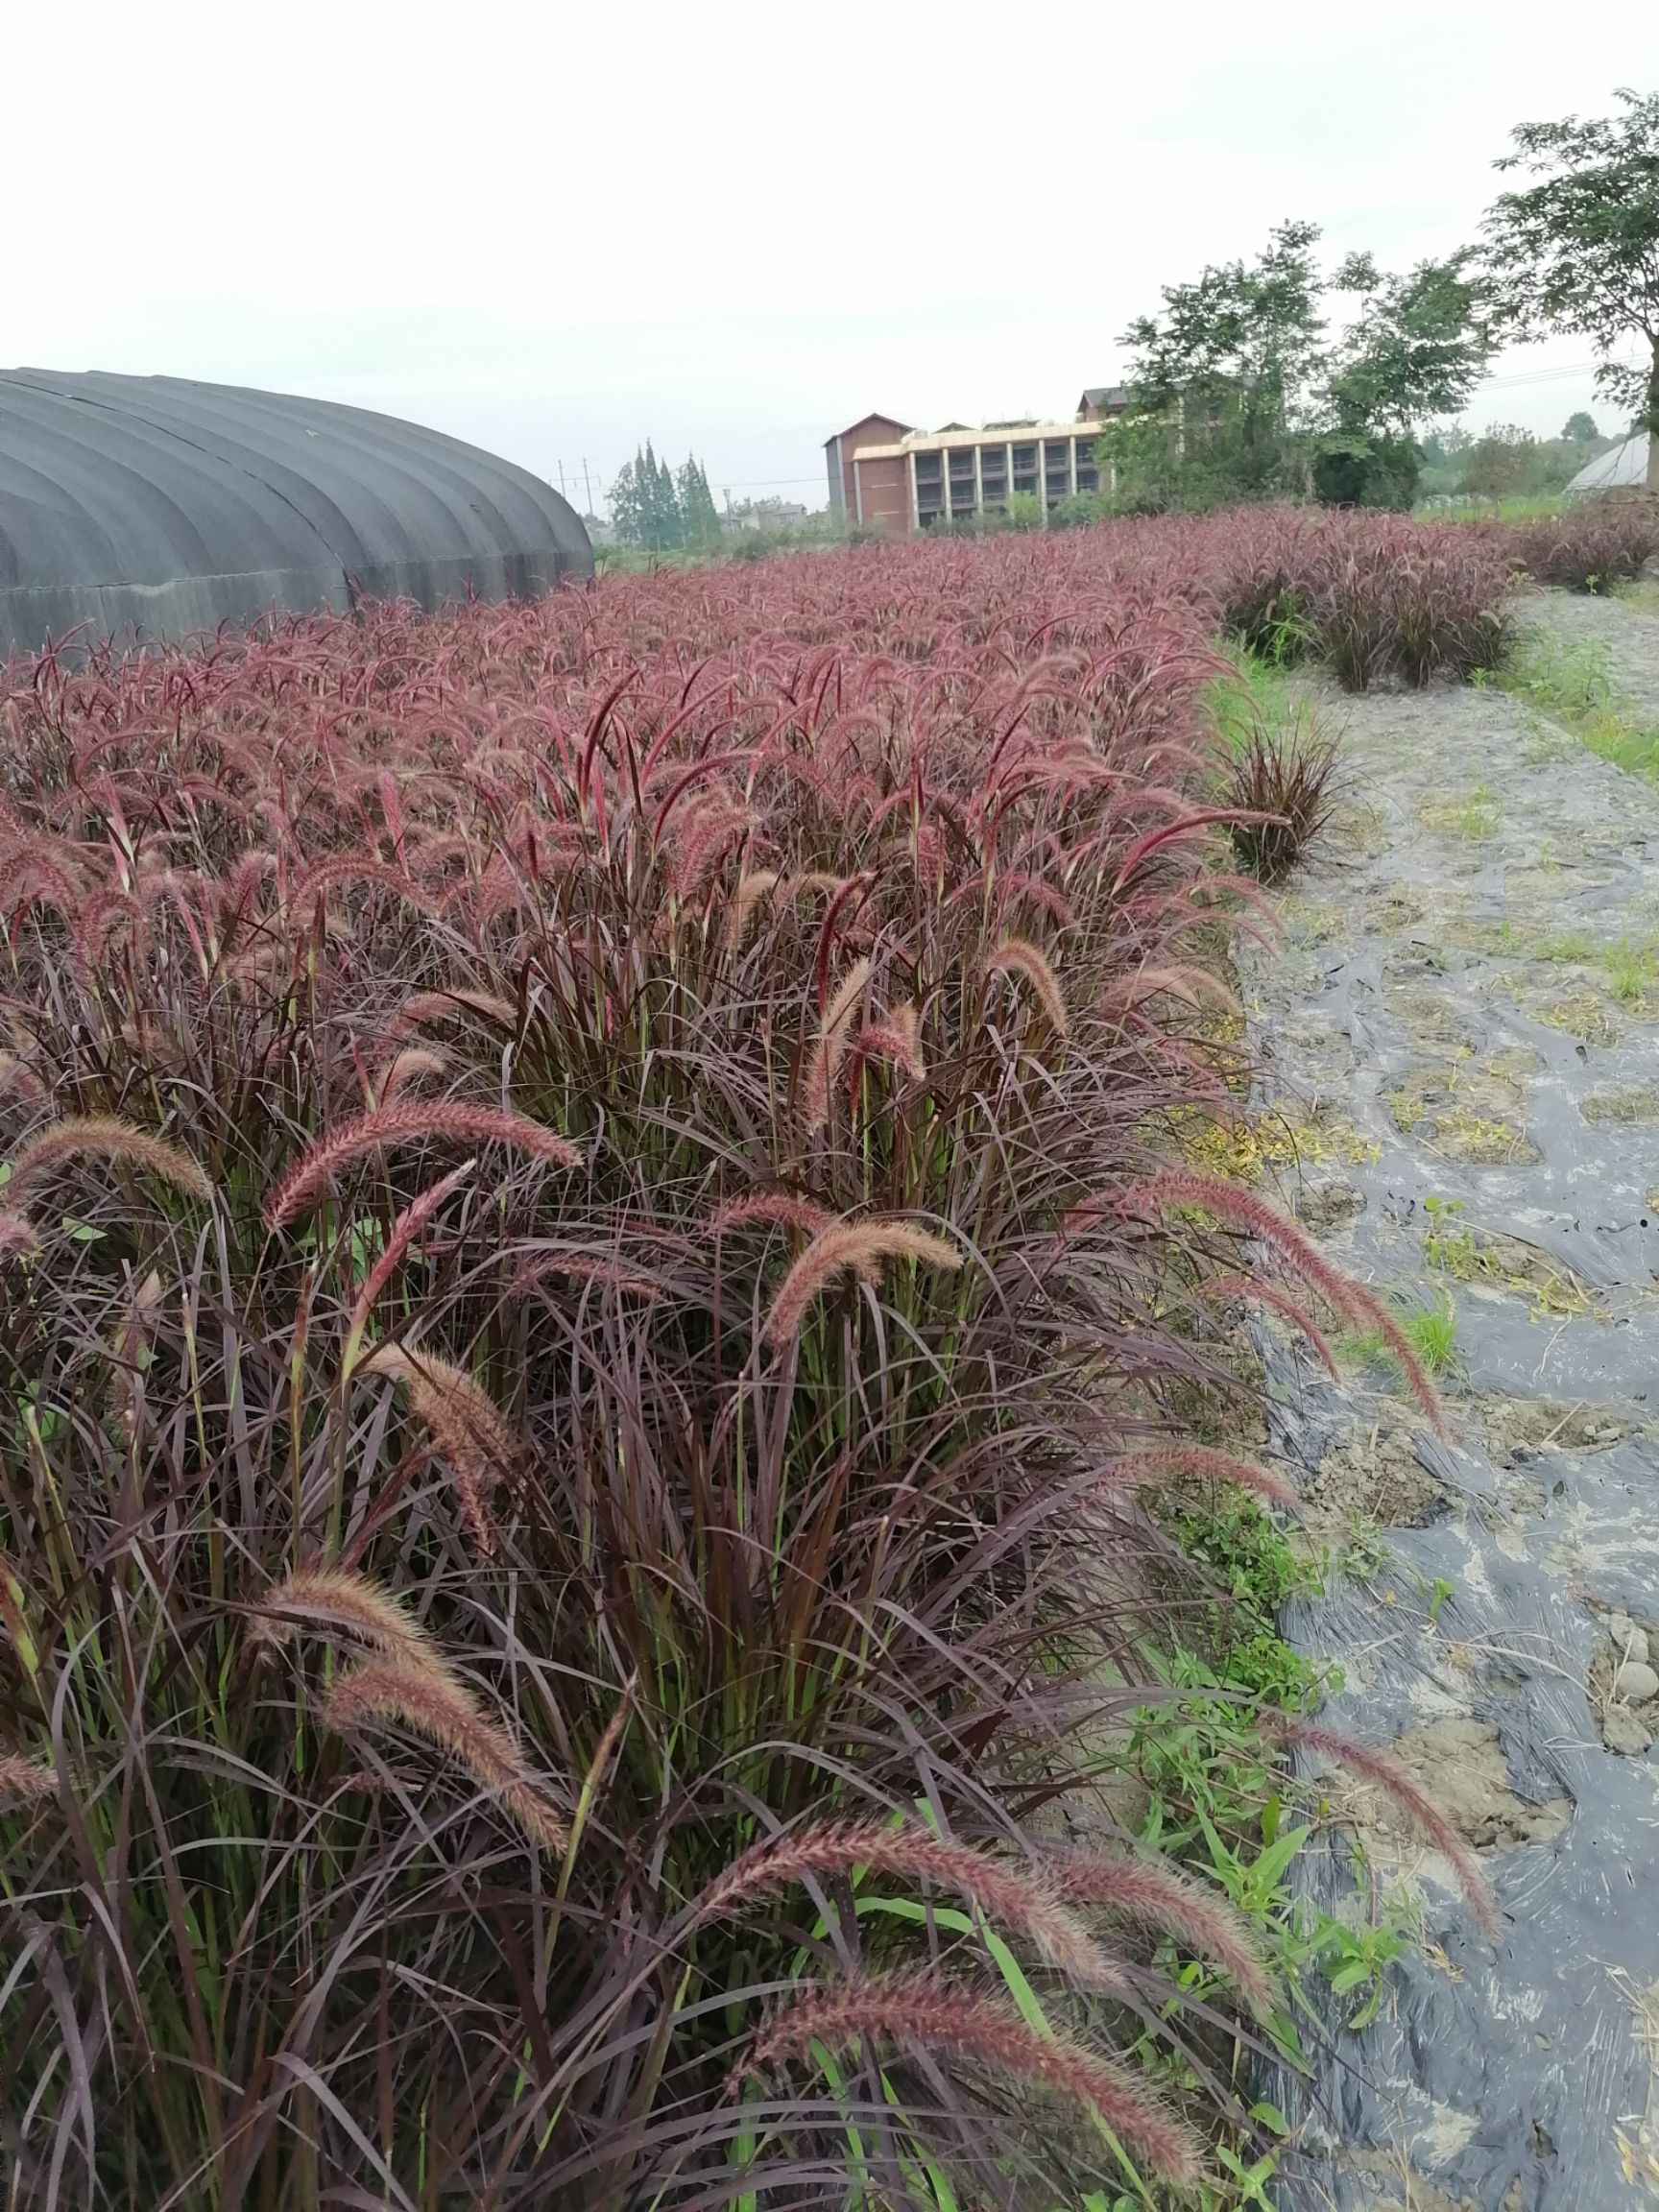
(828, 1052)
(851, 1247)
(780, 1209)
(414, 1123)
(1019, 956)
(1159, 1461)
(414, 1064)
(18, 1077)
(1152, 1893)
(1018, 1897)
(421, 1008)
(1194, 987)
(1241, 1209)
(465, 1424)
(25, 1781)
(435, 1703)
(754, 885)
(19, 1239)
(823, 1577)
(926, 2009)
(1223, 1288)
(1391, 1778)
(894, 1036)
(331, 1598)
(101, 1137)
(408, 1225)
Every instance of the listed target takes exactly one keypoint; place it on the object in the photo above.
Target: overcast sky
(735, 227)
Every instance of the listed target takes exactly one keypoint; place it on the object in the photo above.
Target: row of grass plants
(600, 1323)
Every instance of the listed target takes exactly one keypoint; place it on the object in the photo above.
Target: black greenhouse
(146, 507)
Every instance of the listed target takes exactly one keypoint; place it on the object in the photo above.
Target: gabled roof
(884, 421)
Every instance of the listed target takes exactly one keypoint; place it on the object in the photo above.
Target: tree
(699, 516)
(645, 506)
(1578, 250)
(1415, 350)
(1579, 429)
(1238, 394)
(1215, 396)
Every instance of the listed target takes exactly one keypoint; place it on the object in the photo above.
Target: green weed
(1433, 1332)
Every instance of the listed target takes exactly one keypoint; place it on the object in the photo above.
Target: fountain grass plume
(1019, 956)
(405, 1230)
(466, 1425)
(102, 1137)
(1019, 1897)
(1252, 1288)
(851, 1247)
(25, 1781)
(434, 1702)
(1388, 1775)
(938, 2014)
(831, 1047)
(412, 1123)
(1158, 1462)
(1240, 1208)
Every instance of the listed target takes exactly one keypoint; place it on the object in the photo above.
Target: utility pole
(587, 490)
(562, 492)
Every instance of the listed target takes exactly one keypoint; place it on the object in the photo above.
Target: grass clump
(1590, 546)
(1282, 761)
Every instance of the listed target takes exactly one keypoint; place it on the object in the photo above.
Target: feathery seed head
(433, 1702)
(101, 1137)
(926, 2009)
(850, 1247)
(1019, 956)
(409, 1123)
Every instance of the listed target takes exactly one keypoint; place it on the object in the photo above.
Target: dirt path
(1461, 1046)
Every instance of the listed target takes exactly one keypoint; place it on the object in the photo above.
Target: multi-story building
(887, 477)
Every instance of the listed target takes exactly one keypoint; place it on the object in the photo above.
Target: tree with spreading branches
(1578, 248)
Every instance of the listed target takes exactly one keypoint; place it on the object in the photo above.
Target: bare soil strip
(1460, 1037)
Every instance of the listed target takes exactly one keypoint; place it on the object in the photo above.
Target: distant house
(1100, 402)
(888, 478)
(761, 514)
(841, 450)
(1622, 468)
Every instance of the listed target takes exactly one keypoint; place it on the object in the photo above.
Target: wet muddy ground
(1459, 1037)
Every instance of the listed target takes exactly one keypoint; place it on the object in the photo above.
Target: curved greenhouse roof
(150, 506)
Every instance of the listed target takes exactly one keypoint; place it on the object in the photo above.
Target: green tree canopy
(1577, 249)
(1580, 428)
(1236, 393)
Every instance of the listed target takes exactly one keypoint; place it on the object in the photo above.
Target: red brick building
(886, 477)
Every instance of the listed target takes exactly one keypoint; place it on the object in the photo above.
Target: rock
(1634, 1648)
(1620, 1628)
(1625, 1732)
(1636, 1682)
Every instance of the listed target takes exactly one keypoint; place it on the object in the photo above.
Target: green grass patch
(1572, 685)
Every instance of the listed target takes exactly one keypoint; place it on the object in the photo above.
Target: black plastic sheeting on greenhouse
(142, 507)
